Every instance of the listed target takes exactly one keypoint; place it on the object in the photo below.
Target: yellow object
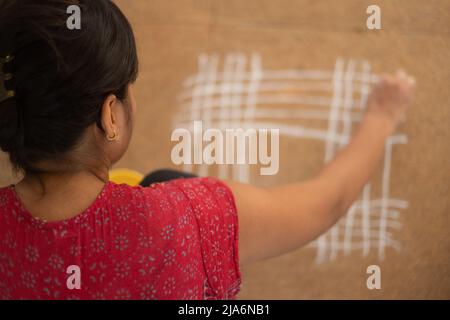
(127, 176)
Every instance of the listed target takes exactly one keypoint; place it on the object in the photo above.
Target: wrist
(383, 123)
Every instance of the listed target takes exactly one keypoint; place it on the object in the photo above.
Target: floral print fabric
(174, 240)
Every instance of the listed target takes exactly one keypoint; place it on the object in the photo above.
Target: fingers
(402, 75)
(398, 83)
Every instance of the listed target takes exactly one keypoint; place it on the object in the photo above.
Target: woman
(67, 232)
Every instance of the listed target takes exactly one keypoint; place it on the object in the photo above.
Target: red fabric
(175, 240)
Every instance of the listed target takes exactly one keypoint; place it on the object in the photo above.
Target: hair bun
(11, 129)
(59, 77)
(10, 135)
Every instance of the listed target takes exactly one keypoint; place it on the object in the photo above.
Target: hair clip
(7, 59)
(10, 93)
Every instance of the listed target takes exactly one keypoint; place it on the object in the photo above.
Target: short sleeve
(215, 213)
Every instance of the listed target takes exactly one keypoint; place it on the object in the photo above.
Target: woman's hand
(391, 98)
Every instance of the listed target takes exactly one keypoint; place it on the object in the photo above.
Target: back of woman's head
(56, 78)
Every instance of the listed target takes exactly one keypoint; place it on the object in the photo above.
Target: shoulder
(190, 188)
(196, 187)
(201, 196)
(209, 192)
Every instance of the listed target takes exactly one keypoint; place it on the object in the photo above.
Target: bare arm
(280, 219)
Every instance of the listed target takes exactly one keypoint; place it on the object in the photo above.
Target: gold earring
(114, 137)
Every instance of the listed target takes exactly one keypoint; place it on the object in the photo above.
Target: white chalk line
(378, 203)
(273, 99)
(345, 105)
(384, 194)
(330, 138)
(225, 85)
(398, 139)
(376, 222)
(268, 75)
(273, 114)
(390, 221)
(267, 87)
(233, 86)
(356, 246)
(285, 130)
(212, 68)
(251, 102)
(238, 89)
(330, 145)
(348, 95)
(365, 90)
(242, 170)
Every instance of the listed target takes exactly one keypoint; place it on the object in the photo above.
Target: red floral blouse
(174, 240)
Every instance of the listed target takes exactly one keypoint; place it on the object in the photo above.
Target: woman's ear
(109, 116)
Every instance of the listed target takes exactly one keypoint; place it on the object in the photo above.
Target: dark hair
(60, 76)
